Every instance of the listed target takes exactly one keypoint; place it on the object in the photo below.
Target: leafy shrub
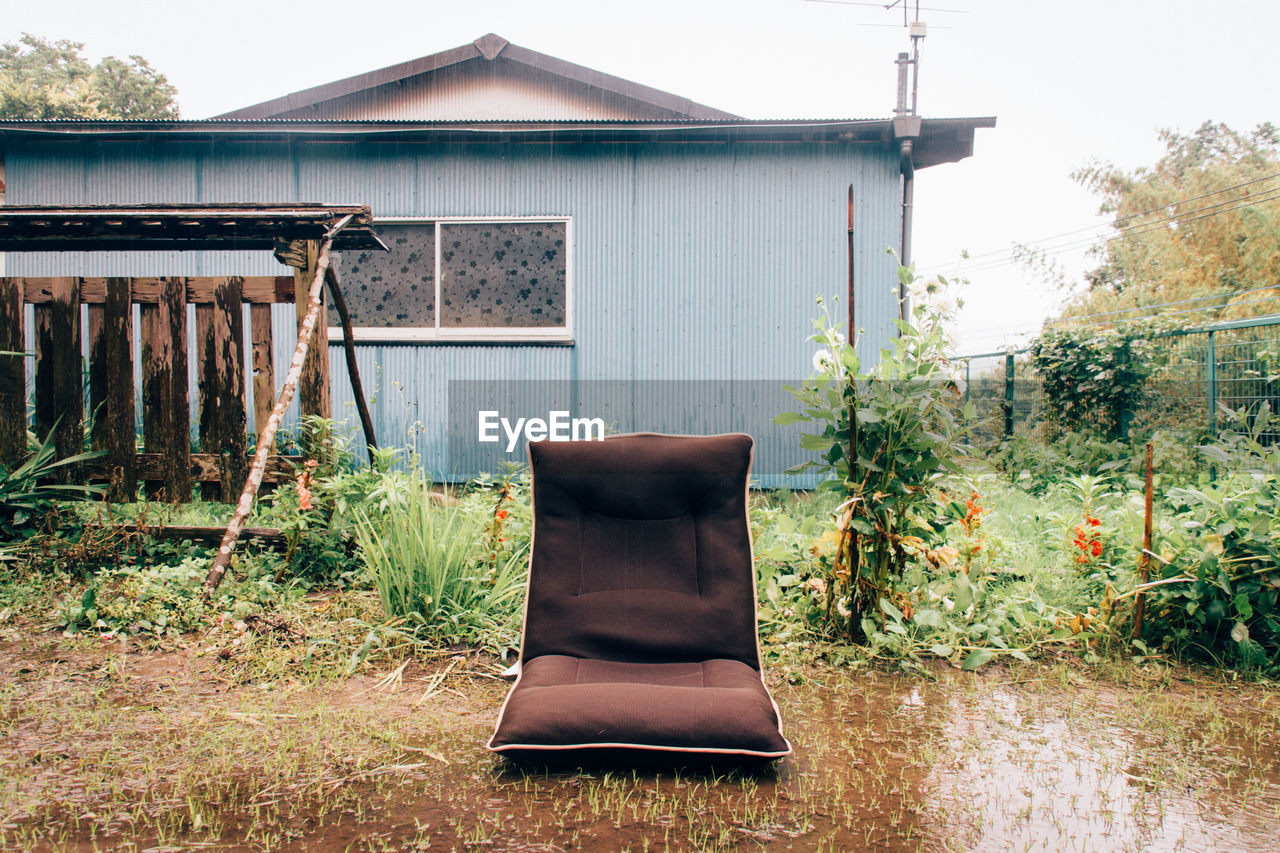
(1218, 596)
(1094, 380)
(316, 512)
(27, 495)
(165, 600)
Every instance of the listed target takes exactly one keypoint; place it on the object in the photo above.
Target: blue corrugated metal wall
(690, 261)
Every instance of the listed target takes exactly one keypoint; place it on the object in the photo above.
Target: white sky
(1069, 82)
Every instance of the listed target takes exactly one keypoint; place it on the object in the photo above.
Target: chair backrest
(642, 550)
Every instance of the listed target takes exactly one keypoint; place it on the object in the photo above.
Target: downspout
(906, 147)
(906, 129)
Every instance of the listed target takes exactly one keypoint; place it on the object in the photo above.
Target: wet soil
(114, 747)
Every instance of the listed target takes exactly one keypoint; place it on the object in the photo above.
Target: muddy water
(164, 754)
(969, 763)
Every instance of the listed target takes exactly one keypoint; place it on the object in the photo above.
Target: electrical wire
(1129, 216)
(1150, 307)
(1144, 228)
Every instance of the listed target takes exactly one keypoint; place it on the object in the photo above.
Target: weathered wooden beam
(59, 400)
(111, 386)
(166, 412)
(257, 289)
(201, 468)
(13, 376)
(313, 387)
(220, 345)
(269, 537)
(353, 370)
(264, 372)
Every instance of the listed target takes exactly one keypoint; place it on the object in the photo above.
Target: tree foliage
(41, 79)
(1202, 223)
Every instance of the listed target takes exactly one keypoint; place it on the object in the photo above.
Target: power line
(889, 6)
(1228, 295)
(1129, 216)
(1144, 228)
(1061, 320)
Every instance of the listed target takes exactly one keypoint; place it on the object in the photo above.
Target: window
(461, 279)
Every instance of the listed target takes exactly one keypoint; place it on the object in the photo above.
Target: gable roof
(390, 90)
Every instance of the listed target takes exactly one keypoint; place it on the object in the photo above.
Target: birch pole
(265, 439)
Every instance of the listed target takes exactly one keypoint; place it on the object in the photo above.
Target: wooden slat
(267, 537)
(166, 412)
(220, 343)
(13, 376)
(57, 373)
(264, 376)
(111, 386)
(256, 289)
(201, 467)
(313, 386)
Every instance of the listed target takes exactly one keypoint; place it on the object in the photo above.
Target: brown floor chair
(640, 619)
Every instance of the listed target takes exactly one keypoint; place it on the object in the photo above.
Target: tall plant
(907, 434)
(429, 563)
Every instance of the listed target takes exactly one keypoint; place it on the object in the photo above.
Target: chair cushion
(713, 706)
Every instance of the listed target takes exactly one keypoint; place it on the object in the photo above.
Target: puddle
(1034, 759)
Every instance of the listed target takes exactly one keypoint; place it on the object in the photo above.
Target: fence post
(1212, 391)
(1008, 395)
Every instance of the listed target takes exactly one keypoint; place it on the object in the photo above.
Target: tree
(42, 79)
(1200, 228)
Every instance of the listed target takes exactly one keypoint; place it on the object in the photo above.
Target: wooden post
(220, 333)
(1144, 561)
(111, 386)
(855, 553)
(59, 399)
(353, 371)
(268, 431)
(264, 371)
(1007, 406)
(313, 387)
(166, 412)
(13, 375)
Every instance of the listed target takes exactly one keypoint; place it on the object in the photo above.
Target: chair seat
(713, 706)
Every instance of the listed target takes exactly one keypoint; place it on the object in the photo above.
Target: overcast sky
(1070, 82)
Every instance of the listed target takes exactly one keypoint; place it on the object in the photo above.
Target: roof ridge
(488, 47)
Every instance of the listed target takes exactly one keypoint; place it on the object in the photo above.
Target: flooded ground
(116, 748)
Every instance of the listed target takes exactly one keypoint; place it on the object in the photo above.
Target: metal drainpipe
(908, 195)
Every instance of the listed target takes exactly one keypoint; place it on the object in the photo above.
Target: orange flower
(1097, 548)
(501, 514)
(1094, 522)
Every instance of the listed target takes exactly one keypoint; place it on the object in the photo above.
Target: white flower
(823, 362)
(836, 338)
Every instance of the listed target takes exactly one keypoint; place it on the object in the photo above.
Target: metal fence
(1198, 371)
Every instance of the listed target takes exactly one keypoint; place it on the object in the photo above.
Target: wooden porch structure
(166, 465)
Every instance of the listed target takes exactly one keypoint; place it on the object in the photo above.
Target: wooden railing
(167, 466)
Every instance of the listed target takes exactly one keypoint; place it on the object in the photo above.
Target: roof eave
(942, 140)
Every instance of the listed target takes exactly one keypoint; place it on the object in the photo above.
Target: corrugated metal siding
(482, 91)
(698, 261)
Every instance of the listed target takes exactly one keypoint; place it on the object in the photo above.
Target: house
(561, 240)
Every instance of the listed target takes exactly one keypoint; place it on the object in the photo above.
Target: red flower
(1097, 548)
(1094, 522)
(500, 514)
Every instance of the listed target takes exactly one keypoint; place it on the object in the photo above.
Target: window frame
(473, 334)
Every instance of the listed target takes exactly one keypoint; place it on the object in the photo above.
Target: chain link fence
(1199, 371)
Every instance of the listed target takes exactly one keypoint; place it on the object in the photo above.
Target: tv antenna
(916, 30)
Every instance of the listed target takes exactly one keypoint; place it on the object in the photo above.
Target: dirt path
(108, 746)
